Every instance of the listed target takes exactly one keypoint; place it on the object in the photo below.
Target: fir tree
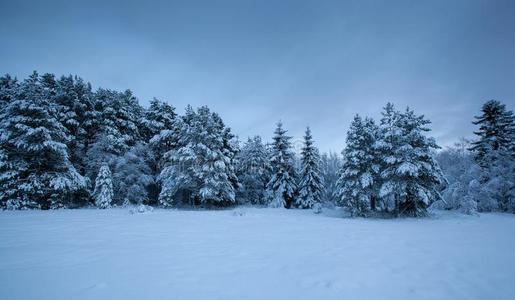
(410, 174)
(310, 186)
(103, 192)
(253, 171)
(159, 116)
(281, 187)
(494, 151)
(200, 169)
(357, 185)
(8, 87)
(132, 176)
(496, 133)
(35, 171)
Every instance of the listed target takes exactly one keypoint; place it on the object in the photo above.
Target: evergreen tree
(254, 171)
(8, 87)
(103, 192)
(496, 133)
(310, 186)
(132, 176)
(494, 151)
(159, 116)
(74, 111)
(410, 176)
(357, 185)
(200, 169)
(118, 116)
(281, 187)
(35, 169)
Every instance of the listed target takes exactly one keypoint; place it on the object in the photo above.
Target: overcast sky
(313, 63)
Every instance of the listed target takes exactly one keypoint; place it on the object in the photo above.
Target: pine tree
(359, 175)
(159, 116)
(410, 174)
(132, 176)
(8, 87)
(35, 171)
(310, 186)
(118, 116)
(496, 133)
(282, 187)
(253, 171)
(494, 151)
(200, 169)
(103, 192)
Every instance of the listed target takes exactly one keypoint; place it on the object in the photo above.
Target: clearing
(251, 253)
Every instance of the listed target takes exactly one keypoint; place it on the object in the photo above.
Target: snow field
(253, 253)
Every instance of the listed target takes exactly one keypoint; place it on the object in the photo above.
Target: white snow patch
(264, 254)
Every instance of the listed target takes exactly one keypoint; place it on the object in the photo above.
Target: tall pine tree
(35, 171)
(357, 185)
(253, 170)
(410, 174)
(200, 170)
(282, 187)
(310, 186)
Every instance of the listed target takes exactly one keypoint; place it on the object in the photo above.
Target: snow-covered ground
(253, 254)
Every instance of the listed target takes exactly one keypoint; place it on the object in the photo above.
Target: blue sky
(313, 63)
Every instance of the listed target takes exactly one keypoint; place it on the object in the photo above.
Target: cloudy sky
(313, 63)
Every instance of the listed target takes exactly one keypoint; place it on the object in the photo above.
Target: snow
(251, 253)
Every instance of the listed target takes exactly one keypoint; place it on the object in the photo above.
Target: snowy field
(253, 254)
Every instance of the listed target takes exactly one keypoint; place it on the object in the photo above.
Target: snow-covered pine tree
(388, 139)
(74, 109)
(357, 185)
(310, 186)
(118, 116)
(132, 176)
(282, 186)
(200, 169)
(496, 133)
(411, 175)
(494, 151)
(159, 116)
(158, 129)
(253, 171)
(103, 193)
(8, 87)
(35, 171)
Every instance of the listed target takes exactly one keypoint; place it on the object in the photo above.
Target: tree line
(63, 145)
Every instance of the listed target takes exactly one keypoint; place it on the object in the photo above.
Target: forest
(64, 145)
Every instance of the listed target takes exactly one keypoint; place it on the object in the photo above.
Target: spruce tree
(132, 176)
(103, 193)
(200, 169)
(159, 116)
(35, 171)
(253, 171)
(496, 134)
(282, 187)
(357, 185)
(8, 87)
(410, 174)
(494, 151)
(310, 186)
